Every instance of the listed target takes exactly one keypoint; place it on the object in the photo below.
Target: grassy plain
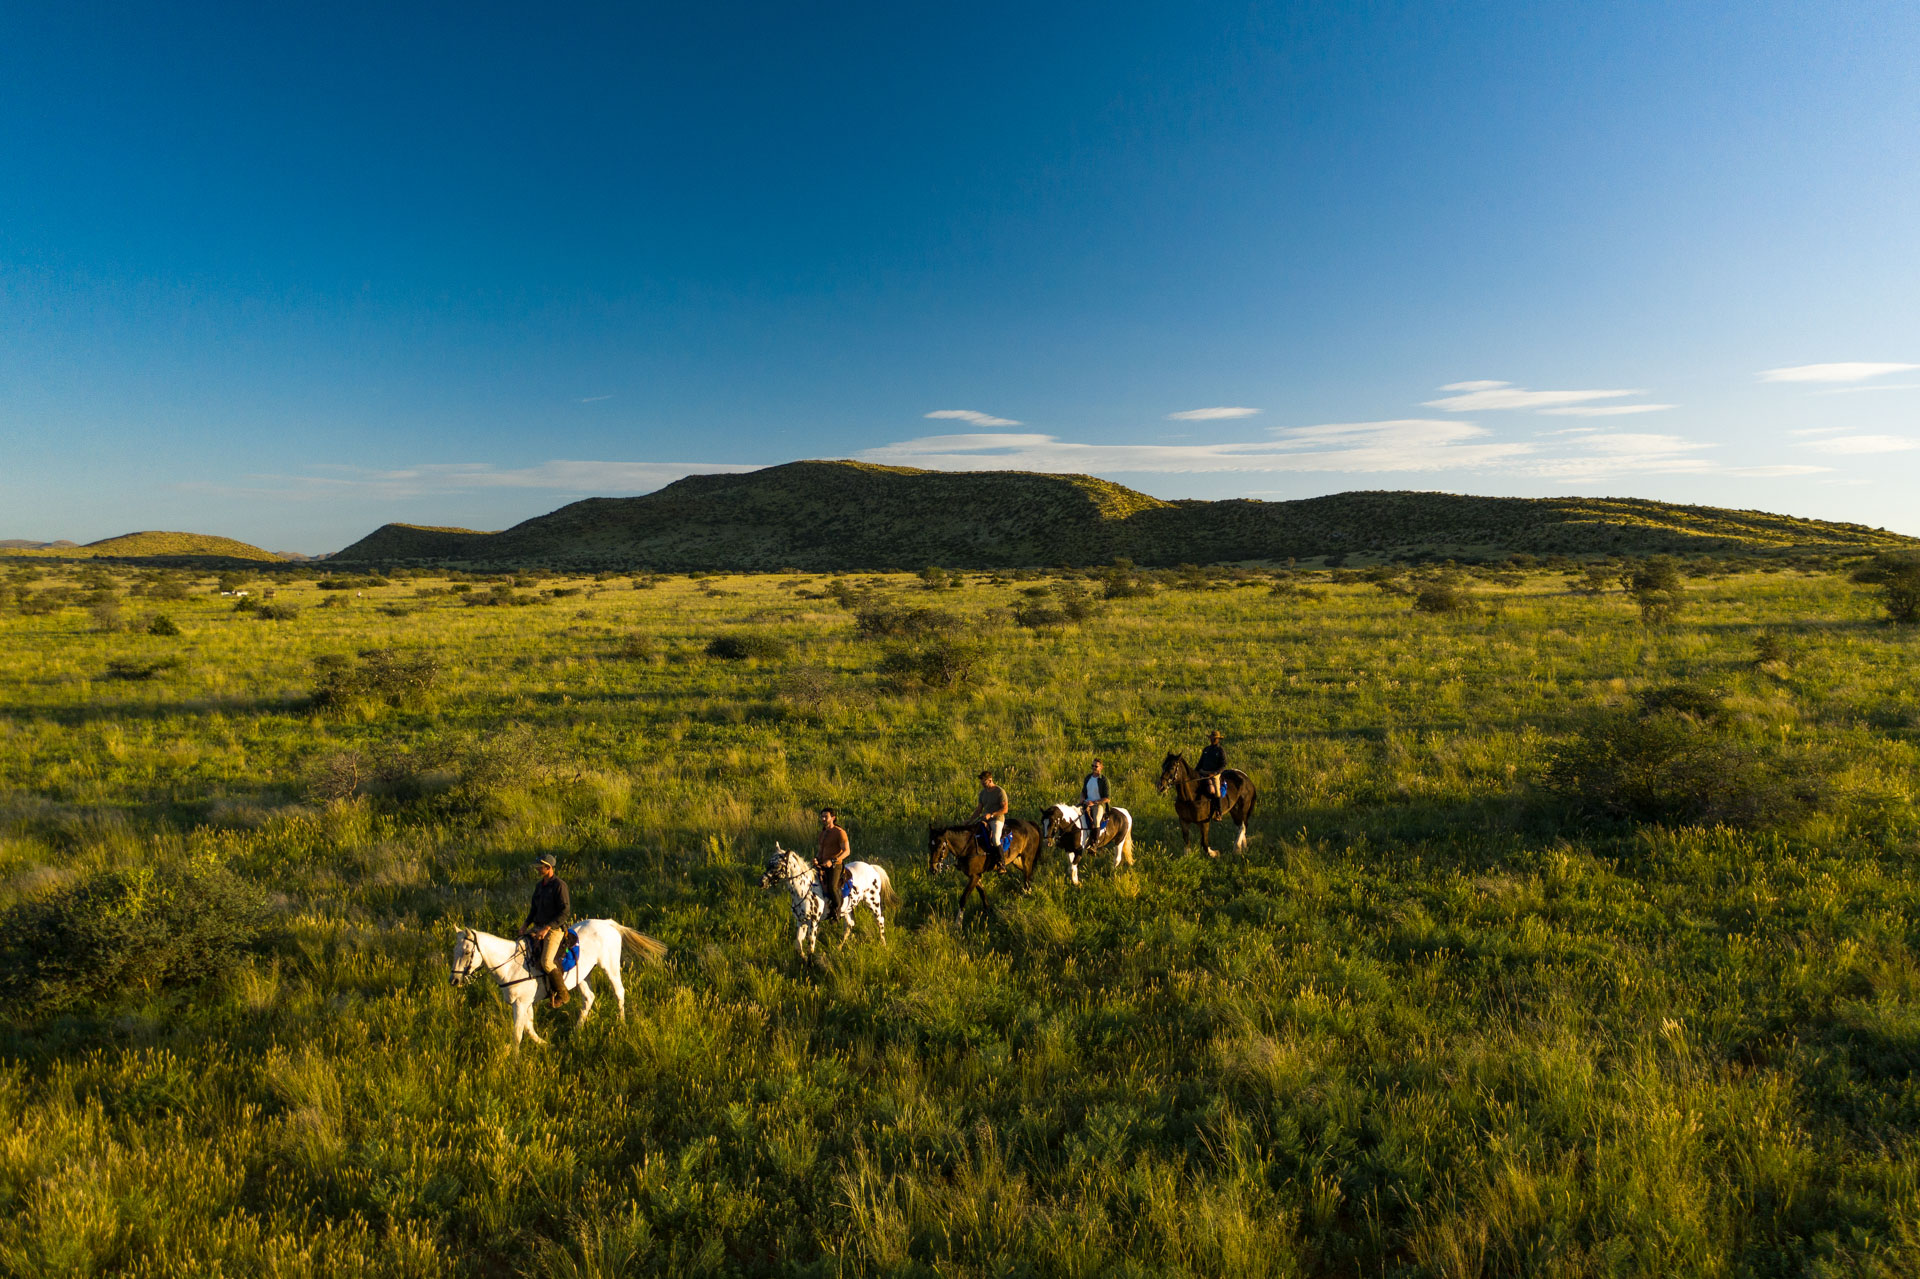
(1434, 1022)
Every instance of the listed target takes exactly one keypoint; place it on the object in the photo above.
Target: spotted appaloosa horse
(1194, 805)
(520, 985)
(866, 885)
(1065, 826)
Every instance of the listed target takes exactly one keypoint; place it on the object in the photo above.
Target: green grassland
(1436, 1021)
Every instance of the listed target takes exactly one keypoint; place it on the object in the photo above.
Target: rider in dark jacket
(547, 926)
(1213, 762)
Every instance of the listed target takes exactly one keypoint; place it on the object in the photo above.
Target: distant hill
(850, 516)
(154, 546)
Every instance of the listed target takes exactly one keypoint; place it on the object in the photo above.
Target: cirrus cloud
(1858, 444)
(973, 416)
(1477, 397)
(1209, 415)
(1850, 371)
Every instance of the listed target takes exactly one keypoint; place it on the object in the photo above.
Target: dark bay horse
(1195, 805)
(959, 845)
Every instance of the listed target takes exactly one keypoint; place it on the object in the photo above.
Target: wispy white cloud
(1606, 410)
(1209, 415)
(345, 482)
(1871, 386)
(972, 416)
(1853, 371)
(1855, 444)
(593, 399)
(1818, 430)
(1478, 397)
(1416, 444)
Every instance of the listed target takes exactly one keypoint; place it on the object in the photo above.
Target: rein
(473, 942)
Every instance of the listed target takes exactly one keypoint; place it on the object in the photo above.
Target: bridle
(479, 959)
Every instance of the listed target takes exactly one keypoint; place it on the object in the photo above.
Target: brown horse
(1195, 805)
(961, 846)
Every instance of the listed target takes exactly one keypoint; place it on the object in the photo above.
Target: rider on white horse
(546, 925)
(1093, 802)
(830, 860)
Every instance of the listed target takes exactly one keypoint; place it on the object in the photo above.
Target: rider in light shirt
(1093, 798)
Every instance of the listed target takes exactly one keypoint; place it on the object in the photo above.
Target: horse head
(779, 867)
(936, 849)
(1173, 770)
(466, 957)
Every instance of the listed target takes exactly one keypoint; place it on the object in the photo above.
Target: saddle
(980, 838)
(568, 958)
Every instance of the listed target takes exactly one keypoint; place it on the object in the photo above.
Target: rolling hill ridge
(150, 545)
(825, 516)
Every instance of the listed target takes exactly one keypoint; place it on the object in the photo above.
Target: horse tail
(1253, 797)
(1126, 840)
(652, 951)
(888, 897)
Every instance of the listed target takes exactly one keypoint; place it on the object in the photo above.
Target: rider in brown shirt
(991, 812)
(830, 861)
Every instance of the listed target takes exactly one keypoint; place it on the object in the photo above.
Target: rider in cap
(830, 860)
(547, 926)
(990, 811)
(1213, 761)
(1093, 801)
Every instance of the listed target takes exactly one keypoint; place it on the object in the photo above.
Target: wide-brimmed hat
(546, 859)
(1214, 736)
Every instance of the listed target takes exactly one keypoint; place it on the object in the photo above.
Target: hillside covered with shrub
(153, 545)
(850, 516)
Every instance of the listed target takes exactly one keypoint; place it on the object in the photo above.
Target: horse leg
(1206, 839)
(800, 941)
(1073, 867)
(879, 917)
(585, 991)
(523, 1023)
(619, 987)
(846, 922)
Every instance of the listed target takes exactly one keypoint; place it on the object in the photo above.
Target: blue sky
(285, 273)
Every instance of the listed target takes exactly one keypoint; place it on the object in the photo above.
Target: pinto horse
(961, 846)
(866, 884)
(1195, 805)
(520, 984)
(1065, 826)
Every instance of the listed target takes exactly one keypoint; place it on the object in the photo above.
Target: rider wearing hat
(547, 926)
(831, 859)
(1213, 761)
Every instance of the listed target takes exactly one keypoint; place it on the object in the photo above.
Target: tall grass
(1436, 1022)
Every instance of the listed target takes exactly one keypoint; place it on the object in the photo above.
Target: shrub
(748, 646)
(637, 646)
(893, 621)
(1691, 700)
(941, 663)
(163, 625)
(129, 928)
(382, 674)
(139, 668)
(349, 583)
(1664, 765)
(1656, 588)
(1768, 648)
(276, 612)
(1443, 595)
(1897, 575)
(1286, 590)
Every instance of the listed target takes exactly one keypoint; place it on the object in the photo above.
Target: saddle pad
(570, 958)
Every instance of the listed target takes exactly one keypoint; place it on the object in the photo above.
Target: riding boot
(558, 985)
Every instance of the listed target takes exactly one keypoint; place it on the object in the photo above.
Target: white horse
(1066, 826)
(521, 985)
(866, 885)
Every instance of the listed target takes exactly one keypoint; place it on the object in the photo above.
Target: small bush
(349, 583)
(276, 612)
(891, 621)
(941, 663)
(1897, 575)
(139, 668)
(637, 646)
(1294, 591)
(1443, 595)
(381, 674)
(1662, 765)
(141, 928)
(163, 625)
(1702, 704)
(1769, 647)
(748, 646)
(105, 613)
(1656, 588)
